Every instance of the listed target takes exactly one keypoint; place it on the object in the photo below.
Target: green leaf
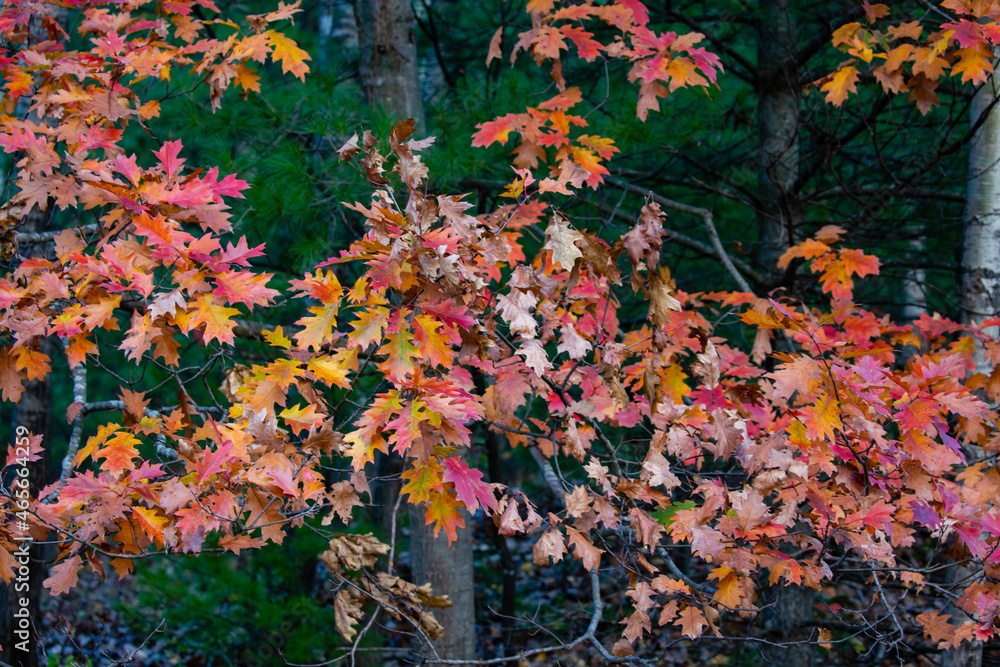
(666, 514)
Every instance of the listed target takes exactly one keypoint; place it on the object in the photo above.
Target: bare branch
(707, 218)
(42, 237)
(79, 396)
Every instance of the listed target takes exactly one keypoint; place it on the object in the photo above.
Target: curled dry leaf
(347, 611)
(353, 552)
(235, 377)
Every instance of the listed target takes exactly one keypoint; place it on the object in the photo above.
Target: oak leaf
(469, 485)
(443, 512)
(343, 499)
(550, 547)
(368, 326)
(936, 625)
(287, 52)
(216, 318)
(401, 355)
(348, 553)
(562, 240)
(841, 83)
(692, 621)
(63, 576)
(583, 549)
(421, 480)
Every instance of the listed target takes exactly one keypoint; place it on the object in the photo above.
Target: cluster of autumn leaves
(838, 435)
(902, 59)
(660, 62)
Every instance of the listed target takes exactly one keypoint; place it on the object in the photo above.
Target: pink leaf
(469, 485)
(64, 576)
(168, 158)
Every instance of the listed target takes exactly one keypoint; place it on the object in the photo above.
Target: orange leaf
(730, 592)
(301, 419)
(823, 419)
(691, 621)
(401, 353)
(152, 522)
(842, 83)
(443, 512)
(540, 6)
(936, 625)
(217, 319)
(806, 250)
(432, 345)
(64, 575)
(493, 131)
(118, 452)
(286, 51)
(975, 64)
(584, 549)
(368, 327)
(494, 50)
(140, 336)
(421, 481)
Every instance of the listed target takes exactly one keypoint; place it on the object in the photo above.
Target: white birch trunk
(914, 292)
(980, 279)
(981, 250)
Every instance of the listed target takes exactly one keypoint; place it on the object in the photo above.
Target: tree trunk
(981, 251)
(780, 214)
(32, 412)
(980, 283)
(449, 571)
(388, 467)
(914, 292)
(389, 74)
(508, 599)
(324, 31)
(778, 129)
(390, 80)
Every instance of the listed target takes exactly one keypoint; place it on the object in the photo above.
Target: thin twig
(702, 213)
(28, 238)
(79, 396)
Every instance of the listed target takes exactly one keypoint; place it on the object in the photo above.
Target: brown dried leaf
(353, 552)
(347, 611)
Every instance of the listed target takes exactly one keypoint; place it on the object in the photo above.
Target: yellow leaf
(333, 369)
(152, 522)
(318, 328)
(277, 338)
(842, 83)
(217, 319)
(286, 51)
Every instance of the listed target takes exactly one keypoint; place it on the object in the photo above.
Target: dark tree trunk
(795, 607)
(778, 125)
(389, 73)
(33, 413)
(387, 468)
(779, 216)
(390, 80)
(507, 567)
